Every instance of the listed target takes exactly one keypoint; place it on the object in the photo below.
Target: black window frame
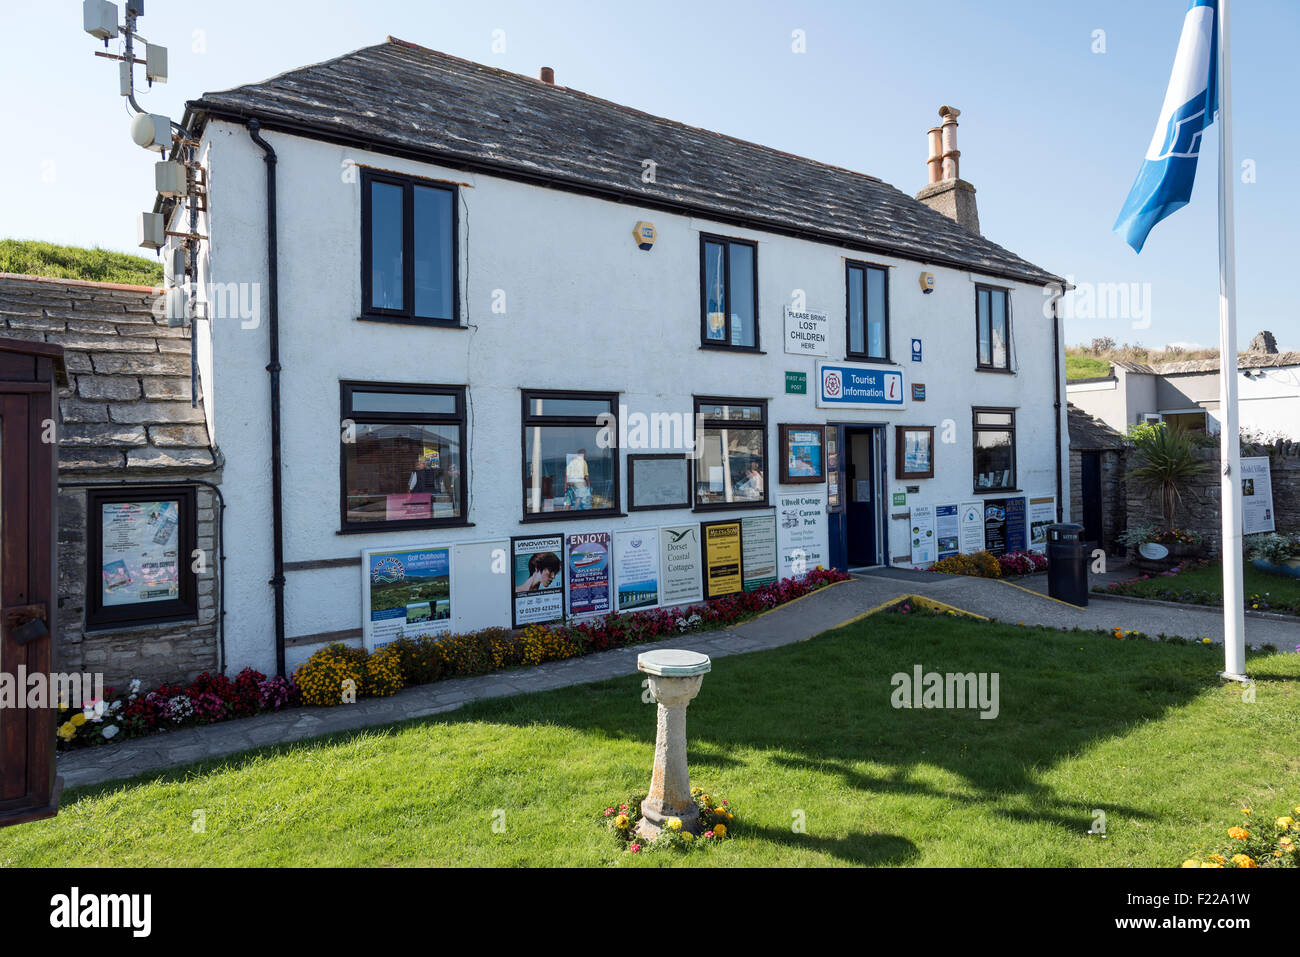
(528, 420)
(687, 477)
(849, 266)
(980, 364)
(346, 388)
(761, 424)
(725, 342)
(976, 429)
(183, 608)
(407, 314)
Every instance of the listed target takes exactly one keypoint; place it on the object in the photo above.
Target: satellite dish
(1153, 550)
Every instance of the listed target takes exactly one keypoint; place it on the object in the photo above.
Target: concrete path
(796, 621)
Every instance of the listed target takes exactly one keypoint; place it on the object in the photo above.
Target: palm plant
(1167, 464)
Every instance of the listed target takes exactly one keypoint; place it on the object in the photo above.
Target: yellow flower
(687, 836)
(1284, 823)
(720, 830)
(1286, 844)
(1245, 810)
(1209, 864)
(621, 822)
(1206, 641)
(1191, 863)
(673, 824)
(67, 731)
(1219, 858)
(78, 719)
(1238, 833)
(1243, 860)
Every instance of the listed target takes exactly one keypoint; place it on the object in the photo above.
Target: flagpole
(1234, 616)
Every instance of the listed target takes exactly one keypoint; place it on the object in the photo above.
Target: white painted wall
(586, 309)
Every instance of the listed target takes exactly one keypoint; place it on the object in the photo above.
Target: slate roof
(126, 406)
(1089, 432)
(1249, 360)
(403, 99)
(1139, 367)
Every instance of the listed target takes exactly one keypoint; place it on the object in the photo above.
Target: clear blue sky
(1051, 132)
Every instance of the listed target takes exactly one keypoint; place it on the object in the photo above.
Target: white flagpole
(1234, 616)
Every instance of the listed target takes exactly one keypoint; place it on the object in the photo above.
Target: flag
(1164, 183)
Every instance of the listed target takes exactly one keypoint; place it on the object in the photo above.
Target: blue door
(861, 496)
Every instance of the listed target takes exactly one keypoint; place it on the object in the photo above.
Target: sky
(1058, 102)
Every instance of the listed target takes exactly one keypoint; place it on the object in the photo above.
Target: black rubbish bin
(1067, 564)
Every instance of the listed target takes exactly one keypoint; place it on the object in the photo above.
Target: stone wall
(1199, 509)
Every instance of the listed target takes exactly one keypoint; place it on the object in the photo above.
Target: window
(403, 460)
(139, 557)
(728, 293)
(995, 449)
(731, 465)
(868, 311)
(566, 469)
(993, 327)
(408, 249)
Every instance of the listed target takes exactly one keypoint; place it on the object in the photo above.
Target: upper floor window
(403, 457)
(570, 454)
(993, 327)
(868, 311)
(408, 249)
(729, 293)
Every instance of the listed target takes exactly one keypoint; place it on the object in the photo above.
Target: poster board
(139, 552)
(722, 558)
(1256, 495)
(1042, 512)
(536, 579)
(405, 593)
(680, 564)
(758, 551)
(801, 532)
(636, 568)
(947, 530)
(587, 571)
(478, 593)
(1017, 528)
(658, 481)
(921, 534)
(971, 523)
(995, 525)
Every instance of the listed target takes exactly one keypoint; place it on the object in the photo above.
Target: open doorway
(857, 521)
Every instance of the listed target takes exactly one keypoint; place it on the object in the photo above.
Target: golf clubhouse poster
(536, 579)
(587, 565)
(758, 550)
(722, 558)
(680, 564)
(406, 593)
(636, 568)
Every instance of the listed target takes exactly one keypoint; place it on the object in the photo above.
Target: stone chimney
(946, 191)
(547, 76)
(1263, 343)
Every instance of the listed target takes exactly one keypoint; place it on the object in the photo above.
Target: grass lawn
(1204, 586)
(1140, 730)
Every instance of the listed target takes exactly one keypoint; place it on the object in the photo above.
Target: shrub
(1022, 563)
(980, 564)
(421, 658)
(321, 679)
(469, 653)
(1271, 547)
(384, 672)
(540, 644)
(1167, 464)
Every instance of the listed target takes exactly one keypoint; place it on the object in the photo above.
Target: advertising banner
(995, 525)
(587, 562)
(947, 530)
(680, 564)
(636, 568)
(1256, 495)
(921, 527)
(405, 593)
(1042, 512)
(722, 557)
(758, 554)
(971, 519)
(536, 579)
(139, 555)
(862, 387)
(1017, 539)
(801, 532)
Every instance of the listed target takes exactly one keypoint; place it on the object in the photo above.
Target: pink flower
(608, 811)
(635, 848)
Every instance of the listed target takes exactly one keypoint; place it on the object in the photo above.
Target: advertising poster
(758, 554)
(536, 579)
(721, 558)
(947, 530)
(995, 525)
(971, 519)
(804, 453)
(1042, 512)
(636, 568)
(406, 593)
(680, 564)
(921, 527)
(588, 560)
(1017, 540)
(139, 555)
(1256, 495)
(801, 540)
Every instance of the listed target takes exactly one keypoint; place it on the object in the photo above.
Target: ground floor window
(731, 466)
(570, 453)
(139, 556)
(995, 449)
(403, 458)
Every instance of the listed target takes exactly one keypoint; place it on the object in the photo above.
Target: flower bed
(1178, 584)
(987, 565)
(717, 823)
(337, 673)
(1257, 844)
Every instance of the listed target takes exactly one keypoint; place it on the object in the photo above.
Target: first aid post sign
(859, 386)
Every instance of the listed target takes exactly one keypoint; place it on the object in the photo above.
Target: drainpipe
(1056, 390)
(273, 367)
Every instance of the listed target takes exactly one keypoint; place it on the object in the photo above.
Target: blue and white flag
(1164, 184)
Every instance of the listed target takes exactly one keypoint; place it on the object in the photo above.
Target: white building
(446, 403)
